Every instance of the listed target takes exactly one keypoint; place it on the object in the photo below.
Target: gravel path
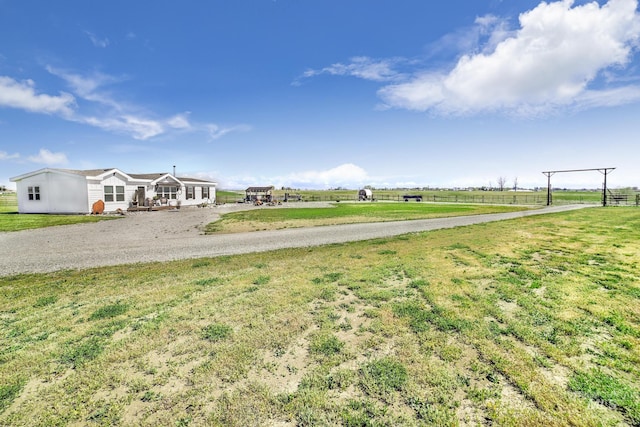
(172, 235)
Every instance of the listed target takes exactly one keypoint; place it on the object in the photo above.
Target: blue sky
(324, 93)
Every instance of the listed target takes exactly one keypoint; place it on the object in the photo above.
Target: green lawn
(532, 321)
(10, 220)
(343, 213)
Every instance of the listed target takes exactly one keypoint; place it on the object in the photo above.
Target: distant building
(261, 194)
(365, 194)
(66, 191)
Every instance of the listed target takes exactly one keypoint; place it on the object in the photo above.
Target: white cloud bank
(561, 56)
(108, 113)
(548, 63)
(346, 175)
(22, 95)
(49, 158)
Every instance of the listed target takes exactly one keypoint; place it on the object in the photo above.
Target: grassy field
(343, 213)
(534, 321)
(10, 220)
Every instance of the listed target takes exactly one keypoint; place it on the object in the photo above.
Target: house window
(110, 195)
(167, 192)
(190, 192)
(119, 193)
(205, 192)
(34, 193)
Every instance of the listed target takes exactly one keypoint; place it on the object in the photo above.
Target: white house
(65, 191)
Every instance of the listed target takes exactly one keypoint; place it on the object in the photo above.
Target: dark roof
(87, 172)
(149, 176)
(259, 189)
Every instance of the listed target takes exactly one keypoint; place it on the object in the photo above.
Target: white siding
(96, 192)
(59, 194)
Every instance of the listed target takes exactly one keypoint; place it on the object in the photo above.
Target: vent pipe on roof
(174, 170)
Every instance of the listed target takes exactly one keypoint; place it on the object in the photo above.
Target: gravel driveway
(172, 235)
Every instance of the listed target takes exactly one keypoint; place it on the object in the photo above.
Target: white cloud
(88, 86)
(47, 157)
(96, 41)
(6, 156)
(216, 131)
(136, 127)
(179, 121)
(107, 111)
(548, 63)
(120, 117)
(22, 95)
(346, 175)
(362, 67)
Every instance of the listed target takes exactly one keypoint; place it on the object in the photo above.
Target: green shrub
(8, 393)
(85, 351)
(326, 345)
(383, 376)
(603, 388)
(109, 311)
(217, 332)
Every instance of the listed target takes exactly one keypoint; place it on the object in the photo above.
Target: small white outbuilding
(365, 194)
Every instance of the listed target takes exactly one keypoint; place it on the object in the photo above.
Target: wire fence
(8, 202)
(494, 199)
(489, 199)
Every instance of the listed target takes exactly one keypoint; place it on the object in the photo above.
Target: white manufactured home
(67, 191)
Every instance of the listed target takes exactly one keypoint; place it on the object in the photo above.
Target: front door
(140, 196)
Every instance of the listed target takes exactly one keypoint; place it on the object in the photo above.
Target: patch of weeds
(417, 314)
(217, 332)
(107, 414)
(363, 413)
(432, 414)
(418, 283)
(480, 395)
(383, 376)
(333, 277)
(109, 311)
(387, 252)
(45, 301)
(150, 396)
(109, 329)
(327, 278)
(261, 265)
(341, 379)
(345, 326)
(252, 289)
(326, 345)
(77, 354)
(201, 263)
(209, 281)
(249, 405)
(374, 294)
(616, 320)
(457, 246)
(603, 388)
(261, 280)
(328, 294)
(8, 393)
